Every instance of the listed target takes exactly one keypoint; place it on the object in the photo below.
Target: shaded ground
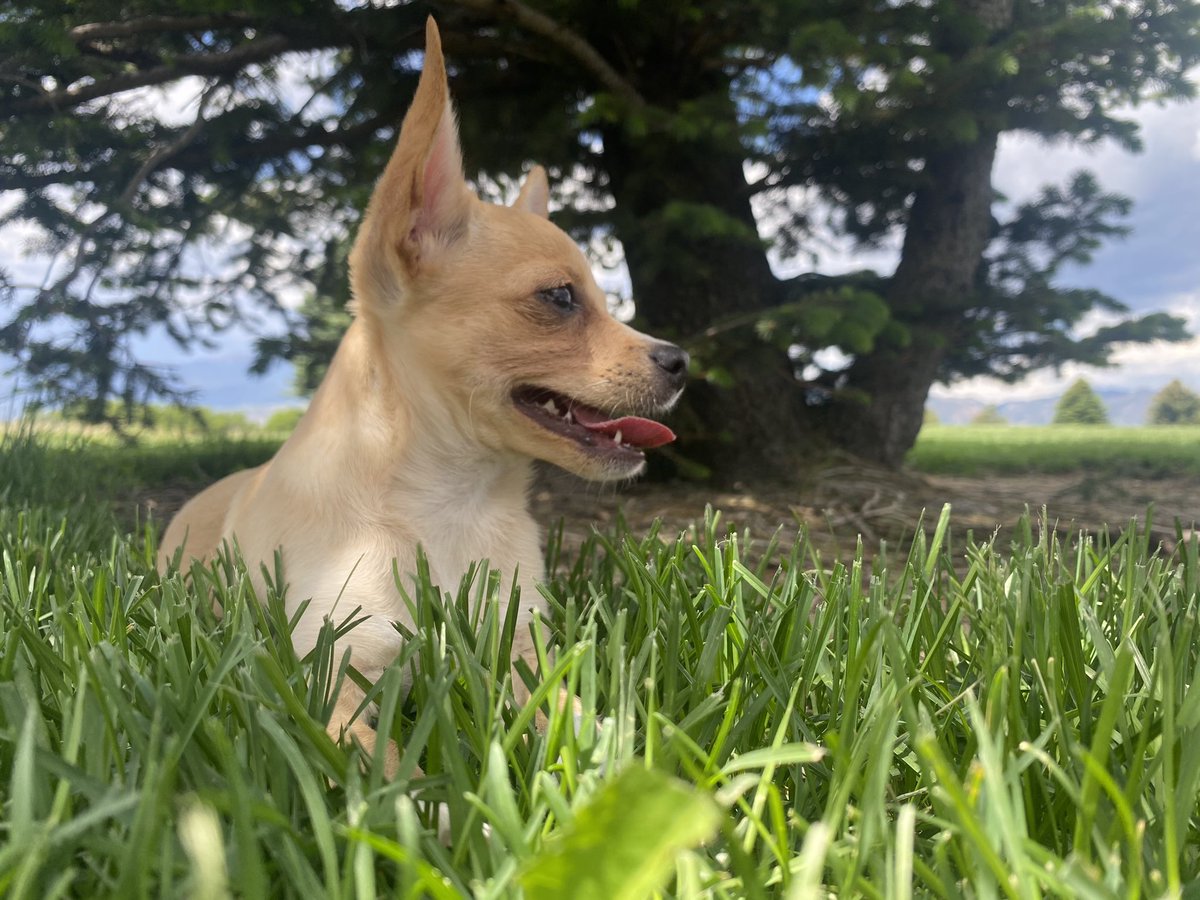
(843, 502)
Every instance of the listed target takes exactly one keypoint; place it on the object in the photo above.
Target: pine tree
(890, 111)
(1174, 405)
(1080, 405)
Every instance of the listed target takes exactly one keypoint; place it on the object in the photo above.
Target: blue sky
(1156, 268)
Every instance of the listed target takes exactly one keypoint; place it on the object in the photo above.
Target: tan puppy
(481, 343)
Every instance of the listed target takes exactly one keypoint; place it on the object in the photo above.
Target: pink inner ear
(442, 169)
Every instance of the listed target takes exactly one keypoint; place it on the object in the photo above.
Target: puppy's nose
(673, 361)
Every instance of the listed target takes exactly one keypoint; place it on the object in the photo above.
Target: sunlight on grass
(1148, 451)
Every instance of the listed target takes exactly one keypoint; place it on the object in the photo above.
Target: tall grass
(1019, 723)
(1154, 452)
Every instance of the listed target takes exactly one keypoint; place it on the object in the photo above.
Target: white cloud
(1170, 135)
(172, 104)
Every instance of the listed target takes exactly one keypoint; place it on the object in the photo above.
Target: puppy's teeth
(550, 407)
(569, 417)
(617, 437)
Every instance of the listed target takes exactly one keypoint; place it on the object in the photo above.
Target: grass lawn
(1149, 451)
(754, 725)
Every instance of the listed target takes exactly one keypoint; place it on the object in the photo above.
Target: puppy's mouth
(594, 431)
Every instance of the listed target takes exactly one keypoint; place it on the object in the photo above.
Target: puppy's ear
(535, 193)
(422, 203)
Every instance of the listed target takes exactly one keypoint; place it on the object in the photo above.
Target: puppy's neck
(390, 434)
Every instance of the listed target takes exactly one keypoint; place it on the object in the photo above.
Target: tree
(284, 420)
(1080, 405)
(890, 111)
(927, 96)
(1174, 405)
(989, 415)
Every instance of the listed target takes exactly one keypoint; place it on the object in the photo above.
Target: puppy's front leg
(525, 650)
(343, 722)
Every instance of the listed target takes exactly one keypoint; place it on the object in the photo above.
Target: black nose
(673, 361)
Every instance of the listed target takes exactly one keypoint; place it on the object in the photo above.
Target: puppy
(481, 343)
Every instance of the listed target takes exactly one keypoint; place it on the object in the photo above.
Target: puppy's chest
(452, 538)
(507, 546)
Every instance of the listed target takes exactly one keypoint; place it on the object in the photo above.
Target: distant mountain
(1125, 407)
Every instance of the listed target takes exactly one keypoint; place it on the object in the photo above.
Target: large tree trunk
(752, 428)
(761, 426)
(947, 232)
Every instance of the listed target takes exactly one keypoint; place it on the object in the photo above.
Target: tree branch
(149, 24)
(573, 43)
(211, 64)
(274, 145)
(162, 154)
(127, 196)
(191, 158)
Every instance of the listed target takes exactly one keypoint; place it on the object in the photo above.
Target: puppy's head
(492, 314)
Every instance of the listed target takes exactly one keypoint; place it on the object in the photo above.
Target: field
(1145, 451)
(1012, 717)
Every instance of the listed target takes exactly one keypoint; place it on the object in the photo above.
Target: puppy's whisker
(471, 405)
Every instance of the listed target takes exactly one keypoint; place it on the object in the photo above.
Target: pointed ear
(422, 203)
(535, 193)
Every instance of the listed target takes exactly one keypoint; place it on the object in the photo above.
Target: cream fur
(413, 439)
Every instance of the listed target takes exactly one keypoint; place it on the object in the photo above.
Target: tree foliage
(1080, 405)
(238, 205)
(1021, 319)
(1174, 405)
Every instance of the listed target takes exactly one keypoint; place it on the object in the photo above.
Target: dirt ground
(842, 502)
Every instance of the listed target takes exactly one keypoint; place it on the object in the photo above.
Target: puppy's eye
(561, 298)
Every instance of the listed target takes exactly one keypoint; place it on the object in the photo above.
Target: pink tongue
(642, 433)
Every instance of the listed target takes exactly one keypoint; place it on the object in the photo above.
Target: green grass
(70, 464)
(1153, 452)
(1024, 722)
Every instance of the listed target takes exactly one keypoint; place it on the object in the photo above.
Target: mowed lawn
(1021, 719)
(1147, 451)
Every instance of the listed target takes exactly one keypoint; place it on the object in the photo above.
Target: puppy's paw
(391, 761)
(445, 833)
(566, 701)
(366, 739)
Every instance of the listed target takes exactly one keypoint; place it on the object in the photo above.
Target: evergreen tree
(1174, 405)
(989, 415)
(891, 111)
(1080, 405)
